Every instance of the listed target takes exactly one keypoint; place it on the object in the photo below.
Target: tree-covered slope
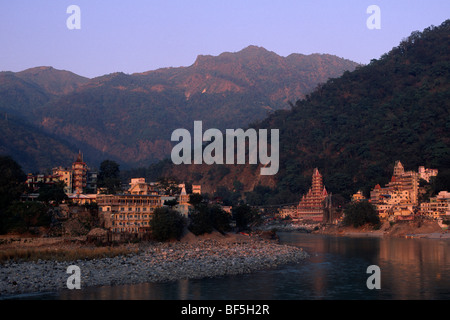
(33, 149)
(132, 117)
(353, 128)
(356, 126)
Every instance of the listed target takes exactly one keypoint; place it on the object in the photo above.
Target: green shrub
(23, 216)
(358, 214)
(207, 218)
(167, 224)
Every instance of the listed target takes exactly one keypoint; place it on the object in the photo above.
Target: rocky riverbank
(155, 262)
(282, 226)
(401, 229)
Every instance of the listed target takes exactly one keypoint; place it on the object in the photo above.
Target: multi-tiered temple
(311, 207)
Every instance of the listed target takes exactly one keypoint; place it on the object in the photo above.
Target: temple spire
(311, 205)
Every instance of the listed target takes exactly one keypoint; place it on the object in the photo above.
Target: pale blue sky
(137, 35)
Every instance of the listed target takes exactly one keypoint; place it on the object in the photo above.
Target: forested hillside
(353, 128)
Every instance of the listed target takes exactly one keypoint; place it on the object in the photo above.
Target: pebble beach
(156, 262)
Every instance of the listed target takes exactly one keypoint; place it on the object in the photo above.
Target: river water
(411, 269)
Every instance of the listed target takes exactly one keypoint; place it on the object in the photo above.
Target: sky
(141, 35)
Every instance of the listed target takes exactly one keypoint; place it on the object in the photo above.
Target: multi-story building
(438, 207)
(79, 178)
(34, 180)
(130, 212)
(311, 206)
(139, 186)
(65, 175)
(357, 197)
(405, 181)
(79, 174)
(393, 197)
(375, 195)
(285, 212)
(91, 182)
(196, 189)
(400, 197)
(426, 174)
(400, 181)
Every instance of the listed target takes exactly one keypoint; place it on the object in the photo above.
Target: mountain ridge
(130, 117)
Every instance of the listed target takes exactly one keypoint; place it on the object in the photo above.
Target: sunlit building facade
(311, 206)
(128, 213)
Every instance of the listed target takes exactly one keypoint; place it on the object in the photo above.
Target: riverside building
(78, 179)
(311, 206)
(130, 212)
(438, 207)
(399, 198)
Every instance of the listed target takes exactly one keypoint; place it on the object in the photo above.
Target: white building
(438, 207)
(426, 174)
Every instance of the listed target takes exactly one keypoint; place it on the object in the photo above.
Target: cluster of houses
(127, 212)
(131, 210)
(80, 182)
(397, 200)
(400, 198)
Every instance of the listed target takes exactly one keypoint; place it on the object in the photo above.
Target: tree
(206, 218)
(54, 192)
(244, 216)
(238, 186)
(12, 180)
(200, 220)
(171, 203)
(22, 216)
(109, 177)
(442, 181)
(195, 199)
(167, 224)
(360, 213)
(228, 197)
(169, 186)
(12, 185)
(220, 219)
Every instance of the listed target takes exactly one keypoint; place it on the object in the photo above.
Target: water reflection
(410, 269)
(419, 267)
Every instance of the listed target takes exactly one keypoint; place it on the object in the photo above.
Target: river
(411, 269)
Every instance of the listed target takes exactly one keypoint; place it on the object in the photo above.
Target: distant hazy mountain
(22, 92)
(130, 118)
(31, 147)
(253, 69)
(53, 81)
